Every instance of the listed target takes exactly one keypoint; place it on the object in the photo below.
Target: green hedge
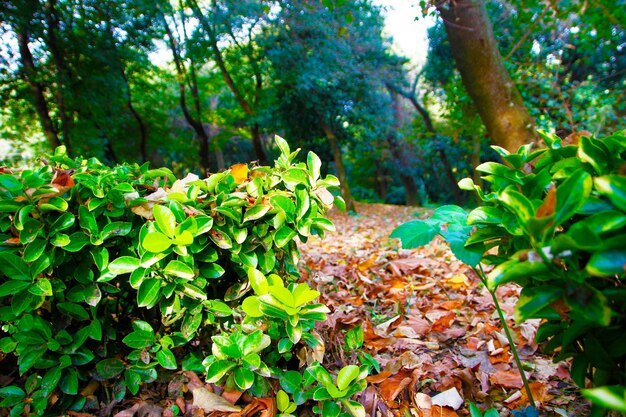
(123, 274)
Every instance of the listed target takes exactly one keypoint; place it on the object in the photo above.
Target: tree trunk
(214, 130)
(411, 192)
(37, 89)
(428, 123)
(182, 76)
(143, 131)
(230, 82)
(62, 76)
(258, 144)
(480, 64)
(341, 170)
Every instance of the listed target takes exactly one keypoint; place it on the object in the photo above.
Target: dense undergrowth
(555, 218)
(123, 274)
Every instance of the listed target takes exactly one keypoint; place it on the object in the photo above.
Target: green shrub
(123, 274)
(557, 217)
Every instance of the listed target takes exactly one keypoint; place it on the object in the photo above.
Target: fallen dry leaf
(507, 379)
(450, 398)
(209, 401)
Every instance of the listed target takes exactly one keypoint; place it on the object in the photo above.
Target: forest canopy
(200, 85)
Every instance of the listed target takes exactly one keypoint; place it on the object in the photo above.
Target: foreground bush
(557, 217)
(123, 274)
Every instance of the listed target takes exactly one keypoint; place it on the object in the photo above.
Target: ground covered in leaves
(428, 322)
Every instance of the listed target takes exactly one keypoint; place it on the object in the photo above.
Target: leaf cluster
(556, 221)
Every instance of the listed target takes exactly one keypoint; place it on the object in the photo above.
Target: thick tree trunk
(341, 170)
(37, 89)
(478, 59)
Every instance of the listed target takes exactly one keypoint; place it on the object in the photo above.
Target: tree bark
(483, 74)
(37, 89)
(341, 170)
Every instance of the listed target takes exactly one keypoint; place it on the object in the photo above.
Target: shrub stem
(507, 331)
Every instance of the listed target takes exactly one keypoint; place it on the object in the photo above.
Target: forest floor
(429, 323)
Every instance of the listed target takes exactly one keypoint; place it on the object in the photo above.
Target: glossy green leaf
(613, 187)
(132, 380)
(346, 375)
(415, 234)
(191, 323)
(295, 176)
(330, 409)
(184, 238)
(244, 378)
(34, 250)
(73, 310)
(611, 397)
(165, 219)
(354, 408)
(282, 400)
(149, 292)
(69, 382)
(54, 204)
(124, 265)
(179, 269)
(139, 339)
(533, 300)
(13, 287)
(258, 281)
(78, 240)
(63, 222)
(255, 212)
(283, 236)
(218, 369)
(607, 263)
(594, 153)
(110, 368)
(518, 203)
(166, 359)
(485, 215)
(41, 287)
(314, 165)
(515, 271)
(571, 195)
(61, 240)
(156, 242)
(87, 220)
(14, 267)
(194, 292)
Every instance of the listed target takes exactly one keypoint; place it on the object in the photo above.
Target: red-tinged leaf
(507, 379)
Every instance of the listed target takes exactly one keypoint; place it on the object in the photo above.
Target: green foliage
(557, 217)
(475, 412)
(123, 274)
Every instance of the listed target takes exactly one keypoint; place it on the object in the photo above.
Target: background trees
(202, 84)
